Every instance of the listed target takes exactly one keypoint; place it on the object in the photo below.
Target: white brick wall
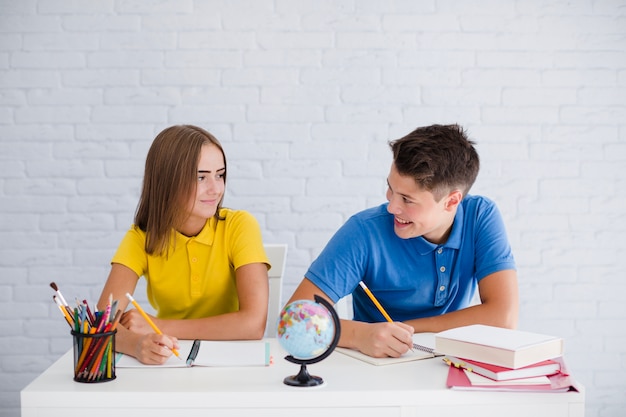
(304, 95)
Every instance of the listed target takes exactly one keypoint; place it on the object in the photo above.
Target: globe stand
(303, 378)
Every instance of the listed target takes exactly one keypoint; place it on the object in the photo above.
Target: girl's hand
(134, 321)
(154, 349)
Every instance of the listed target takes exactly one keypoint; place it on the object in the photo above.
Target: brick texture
(304, 95)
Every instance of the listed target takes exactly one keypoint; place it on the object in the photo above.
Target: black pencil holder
(94, 356)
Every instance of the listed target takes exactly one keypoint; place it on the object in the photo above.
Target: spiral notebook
(209, 353)
(423, 348)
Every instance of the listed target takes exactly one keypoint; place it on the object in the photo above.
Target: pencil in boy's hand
(150, 322)
(375, 301)
(378, 305)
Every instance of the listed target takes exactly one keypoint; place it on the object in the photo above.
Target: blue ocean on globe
(305, 329)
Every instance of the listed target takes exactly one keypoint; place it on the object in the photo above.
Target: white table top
(398, 389)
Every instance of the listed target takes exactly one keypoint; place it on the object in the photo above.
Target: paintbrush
(61, 298)
(64, 310)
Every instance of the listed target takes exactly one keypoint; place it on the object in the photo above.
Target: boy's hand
(385, 339)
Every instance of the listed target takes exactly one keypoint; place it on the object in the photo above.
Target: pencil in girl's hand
(147, 318)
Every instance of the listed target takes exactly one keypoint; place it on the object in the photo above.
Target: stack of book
(493, 358)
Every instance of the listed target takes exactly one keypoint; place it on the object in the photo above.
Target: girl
(205, 266)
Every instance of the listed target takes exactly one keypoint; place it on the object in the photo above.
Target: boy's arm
(499, 306)
(374, 339)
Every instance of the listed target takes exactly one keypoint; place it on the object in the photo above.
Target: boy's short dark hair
(440, 158)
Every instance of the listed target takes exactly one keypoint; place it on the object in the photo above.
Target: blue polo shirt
(412, 278)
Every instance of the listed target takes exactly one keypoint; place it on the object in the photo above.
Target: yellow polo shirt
(197, 279)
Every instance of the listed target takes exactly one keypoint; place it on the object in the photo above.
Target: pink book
(457, 379)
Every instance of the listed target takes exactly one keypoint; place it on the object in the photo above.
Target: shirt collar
(206, 235)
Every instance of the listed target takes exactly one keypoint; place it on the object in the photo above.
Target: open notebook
(209, 353)
(423, 348)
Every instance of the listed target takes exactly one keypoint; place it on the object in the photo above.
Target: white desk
(352, 388)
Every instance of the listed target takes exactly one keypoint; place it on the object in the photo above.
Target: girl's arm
(147, 347)
(247, 323)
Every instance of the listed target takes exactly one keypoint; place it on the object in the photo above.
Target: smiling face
(210, 188)
(415, 210)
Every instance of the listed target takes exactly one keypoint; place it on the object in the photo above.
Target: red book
(500, 373)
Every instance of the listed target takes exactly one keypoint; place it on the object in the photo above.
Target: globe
(305, 329)
(309, 331)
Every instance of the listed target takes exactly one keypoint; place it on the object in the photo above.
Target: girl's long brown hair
(170, 177)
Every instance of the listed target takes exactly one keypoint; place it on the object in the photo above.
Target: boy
(423, 254)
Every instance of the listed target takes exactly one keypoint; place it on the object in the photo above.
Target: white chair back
(277, 255)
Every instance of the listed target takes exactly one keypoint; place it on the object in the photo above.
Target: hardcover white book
(498, 346)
